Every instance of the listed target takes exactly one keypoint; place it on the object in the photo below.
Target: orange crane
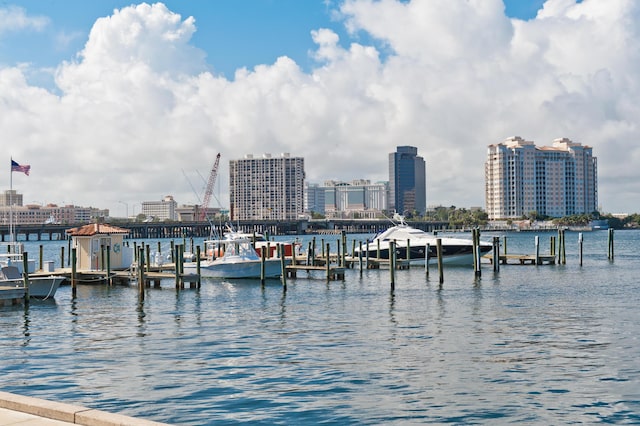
(209, 189)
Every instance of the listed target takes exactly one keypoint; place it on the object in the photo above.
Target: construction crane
(209, 189)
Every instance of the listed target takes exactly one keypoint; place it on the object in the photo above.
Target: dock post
(159, 247)
(408, 252)
(537, 240)
(378, 250)
(580, 246)
(72, 260)
(147, 257)
(476, 252)
(263, 260)
(564, 249)
(25, 276)
(427, 249)
(313, 252)
(109, 280)
(360, 257)
(62, 257)
(175, 256)
(198, 265)
(102, 262)
(504, 244)
(41, 260)
(496, 254)
(283, 266)
(68, 251)
(610, 244)
(173, 252)
(327, 263)
(392, 263)
(440, 269)
(141, 283)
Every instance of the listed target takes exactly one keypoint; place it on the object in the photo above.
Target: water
(545, 345)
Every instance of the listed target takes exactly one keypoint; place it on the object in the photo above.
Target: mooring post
(263, 262)
(62, 257)
(537, 240)
(198, 271)
(41, 258)
(610, 244)
(360, 257)
(283, 266)
(496, 254)
(72, 260)
(68, 251)
(109, 280)
(175, 248)
(580, 246)
(25, 276)
(147, 257)
(141, 282)
(427, 249)
(102, 262)
(440, 268)
(392, 263)
(328, 266)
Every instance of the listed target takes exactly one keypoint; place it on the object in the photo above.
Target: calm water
(544, 345)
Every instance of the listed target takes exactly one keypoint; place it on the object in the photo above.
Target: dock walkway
(26, 410)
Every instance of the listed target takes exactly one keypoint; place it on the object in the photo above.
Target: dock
(523, 259)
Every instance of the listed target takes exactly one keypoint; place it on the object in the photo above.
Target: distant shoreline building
(164, 209)
(407, 181)
(556, 181)
(359, 199)
(266, 188)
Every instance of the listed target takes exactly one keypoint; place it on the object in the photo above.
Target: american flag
(15, 167)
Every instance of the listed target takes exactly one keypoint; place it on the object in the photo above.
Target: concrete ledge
(69, 413)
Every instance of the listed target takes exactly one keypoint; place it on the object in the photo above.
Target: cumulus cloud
(15, 18)
(139, 111)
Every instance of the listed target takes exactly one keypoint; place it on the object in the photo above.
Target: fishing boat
(455, 251)
(40, 287)
(234, 257)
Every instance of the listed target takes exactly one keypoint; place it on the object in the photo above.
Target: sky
(113, 103)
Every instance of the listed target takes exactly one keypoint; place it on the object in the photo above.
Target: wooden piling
(360, 257)
(109, 280)
(328, 262)
(610, 245)
(392, 263)
(198, 271)
(68, 251)
(283, 266)
(496, 254)
(440, 268)
(263, 261)
(73, 260)
(25, 276)
(140, 271)
(427, 249)
(41, 258)
(62, 257)
(537, 239)
(580, 247)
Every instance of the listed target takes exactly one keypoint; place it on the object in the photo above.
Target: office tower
(407, 182)
(556, 181)
(266, 188)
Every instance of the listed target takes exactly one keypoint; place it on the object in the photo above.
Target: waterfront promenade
(24, 410)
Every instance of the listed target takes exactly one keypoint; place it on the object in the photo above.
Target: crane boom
(209, 189)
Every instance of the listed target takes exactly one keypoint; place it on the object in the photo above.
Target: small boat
(40, 287)
(234, 257)
(455, 251)
(260, 242)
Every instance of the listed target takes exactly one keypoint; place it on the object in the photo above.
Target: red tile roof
(95, 229)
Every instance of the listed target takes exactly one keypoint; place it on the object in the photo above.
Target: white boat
(234, 257)
(41, 287)
(455, 251)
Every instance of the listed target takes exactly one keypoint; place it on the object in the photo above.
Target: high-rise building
(556, 181)
(266, 188)
(360, 199)
(407, 181)
(164, 209)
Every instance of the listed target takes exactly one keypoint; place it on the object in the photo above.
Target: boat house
(91, 243)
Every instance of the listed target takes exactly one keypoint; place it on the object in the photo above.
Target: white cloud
(138, 106)
(15, 18)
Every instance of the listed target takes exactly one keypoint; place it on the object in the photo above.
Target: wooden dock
(11, 295)
(523, 259)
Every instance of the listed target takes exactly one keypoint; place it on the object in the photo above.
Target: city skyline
(112, 103)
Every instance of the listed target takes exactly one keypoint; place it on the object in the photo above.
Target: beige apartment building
(266, 188)
(556, 181)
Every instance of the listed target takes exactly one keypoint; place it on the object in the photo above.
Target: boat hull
(44, 287)
(245, 269)
(458, 254)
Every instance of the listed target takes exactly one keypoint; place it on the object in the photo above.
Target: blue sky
(234, 33)
(131, 98)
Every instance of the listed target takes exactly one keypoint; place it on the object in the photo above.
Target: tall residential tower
(556, 181)
(407, 181)
(266, 188)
